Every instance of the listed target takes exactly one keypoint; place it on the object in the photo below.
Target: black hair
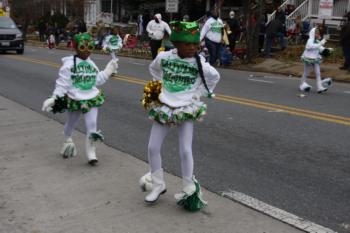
(200, 71)
(75, 63)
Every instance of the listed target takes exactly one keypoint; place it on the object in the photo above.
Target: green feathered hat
(82, 38)
(184, 32)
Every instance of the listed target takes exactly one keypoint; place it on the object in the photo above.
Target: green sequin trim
(85, 105)
(175, 118)
(309, 61)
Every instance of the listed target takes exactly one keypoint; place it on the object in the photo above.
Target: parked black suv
(11, 38)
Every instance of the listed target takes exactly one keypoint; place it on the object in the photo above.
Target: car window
(6, 22)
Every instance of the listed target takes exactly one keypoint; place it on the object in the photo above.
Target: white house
(106, 10)
(332, 11)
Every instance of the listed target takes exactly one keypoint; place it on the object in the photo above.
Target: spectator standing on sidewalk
(42, 30)
(182, 78)
(212, 33)
(76, 92)
(156, 29)
(272, 29)
(262, 32)
(345, 42)
(233, 32)
(281, 17)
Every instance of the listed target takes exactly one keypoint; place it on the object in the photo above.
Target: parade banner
(326, 8)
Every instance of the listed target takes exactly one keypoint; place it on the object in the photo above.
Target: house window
(106, 5)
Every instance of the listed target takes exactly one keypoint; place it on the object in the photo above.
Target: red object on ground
(240, 52)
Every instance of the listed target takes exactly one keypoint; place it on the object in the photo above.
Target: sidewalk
(42, 193)
(269, 65)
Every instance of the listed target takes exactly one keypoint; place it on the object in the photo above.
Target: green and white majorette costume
(312, 58)
(78, 84)
(76, 91)
(182, 88)
(178, 104)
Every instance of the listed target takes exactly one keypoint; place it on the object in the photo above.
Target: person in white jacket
(212, 33)
(156, 29)
(312, 58)
(185, 77)
(76, 92)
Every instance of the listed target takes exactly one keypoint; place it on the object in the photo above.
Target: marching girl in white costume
(76, 91)
(312, 58)
(181, 77)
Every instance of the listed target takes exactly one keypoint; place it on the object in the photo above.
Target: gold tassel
(151, 93)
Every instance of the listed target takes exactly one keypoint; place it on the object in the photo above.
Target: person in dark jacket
(345, 42)
(274, 27)
(233, 24)
(262, 32)
(281, 16)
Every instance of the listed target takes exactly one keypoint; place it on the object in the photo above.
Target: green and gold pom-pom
(151, 93)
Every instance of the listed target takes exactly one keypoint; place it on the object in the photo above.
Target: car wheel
(20, 51)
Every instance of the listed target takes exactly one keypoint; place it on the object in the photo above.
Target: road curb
(276, 213)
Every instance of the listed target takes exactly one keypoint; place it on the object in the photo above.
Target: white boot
(145, 182)
(90, 151)
(320, 87)
(191, 195)
(327, 82)
(158, 187)
(305, 87)
(68, 149)
(188, 188)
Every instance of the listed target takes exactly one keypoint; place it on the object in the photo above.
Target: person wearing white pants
(312, 58)
(76, 92)
(184, 77)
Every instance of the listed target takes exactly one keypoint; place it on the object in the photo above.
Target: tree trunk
(254, 13)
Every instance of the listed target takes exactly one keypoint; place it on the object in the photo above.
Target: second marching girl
(181, 77)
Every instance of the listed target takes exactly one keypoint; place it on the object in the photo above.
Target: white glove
(48, 104)
(323, 42)
(331, 50)
(111, 67)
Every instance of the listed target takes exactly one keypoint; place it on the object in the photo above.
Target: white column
(309, 8)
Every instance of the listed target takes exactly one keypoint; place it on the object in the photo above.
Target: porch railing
(302, 11)
(283, 6)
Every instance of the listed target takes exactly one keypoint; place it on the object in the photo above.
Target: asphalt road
(260, 137)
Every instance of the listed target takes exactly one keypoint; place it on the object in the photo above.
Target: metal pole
(207, 5)
(111, 6)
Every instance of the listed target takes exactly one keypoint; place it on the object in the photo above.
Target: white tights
(317, 70)
(158, 133)
(90, 121)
